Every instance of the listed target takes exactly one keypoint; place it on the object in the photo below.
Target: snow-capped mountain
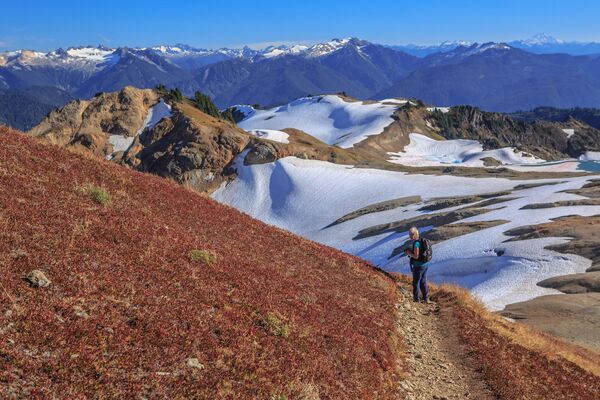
(425, 50)
(546, 44)
(541, 39)
(278, 74)
(540, 43)
(85, 57)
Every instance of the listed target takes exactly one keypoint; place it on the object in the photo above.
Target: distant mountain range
(494, 76)
(539, 44)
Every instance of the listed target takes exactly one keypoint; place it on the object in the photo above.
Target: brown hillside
(156, 291)
(129, 313)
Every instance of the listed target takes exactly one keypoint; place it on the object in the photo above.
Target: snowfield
(590, 156)
(269, 134)
(424, 151)
(329, 118)
(305, 196)
(157, 112)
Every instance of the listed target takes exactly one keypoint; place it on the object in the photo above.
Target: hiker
(418, 263)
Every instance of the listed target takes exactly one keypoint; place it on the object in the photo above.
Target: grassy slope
(516, 361)
(127, 307)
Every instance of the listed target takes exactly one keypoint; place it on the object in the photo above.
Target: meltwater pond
(589, 166)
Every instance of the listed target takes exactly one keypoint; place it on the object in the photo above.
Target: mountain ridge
(241, 325)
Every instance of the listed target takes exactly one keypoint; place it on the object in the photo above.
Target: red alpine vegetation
(157, 291)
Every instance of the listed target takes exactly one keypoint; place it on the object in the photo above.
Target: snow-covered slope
(269, 134)
(305, 196)
(329, 118)
(84, 58)
(424, 151)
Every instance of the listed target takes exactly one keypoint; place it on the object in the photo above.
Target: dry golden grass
(517, 361)
(524, 335)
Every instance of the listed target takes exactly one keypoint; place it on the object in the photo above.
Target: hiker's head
(413, 233)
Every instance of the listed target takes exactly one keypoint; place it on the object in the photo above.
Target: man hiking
(418, 263)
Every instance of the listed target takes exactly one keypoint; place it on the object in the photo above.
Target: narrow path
(438, 364)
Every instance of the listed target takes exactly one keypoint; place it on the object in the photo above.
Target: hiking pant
(420, 282)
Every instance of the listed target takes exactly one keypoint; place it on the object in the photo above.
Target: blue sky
(46, 25)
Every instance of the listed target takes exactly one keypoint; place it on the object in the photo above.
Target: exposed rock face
(261, 153)
(88, 123)
(494, 130)
(190, 147)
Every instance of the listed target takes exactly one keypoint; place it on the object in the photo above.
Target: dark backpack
(425, 250)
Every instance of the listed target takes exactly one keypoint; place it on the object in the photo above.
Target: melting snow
(569, 132)
(424, 151)
(328, 118)
(304, 196)
(269, 134)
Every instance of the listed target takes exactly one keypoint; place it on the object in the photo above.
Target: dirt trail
(438, 364)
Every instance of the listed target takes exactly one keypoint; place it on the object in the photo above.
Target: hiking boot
(426, 301)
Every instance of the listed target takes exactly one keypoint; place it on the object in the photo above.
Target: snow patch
(329, 118)
(424, 151)
(569, 132)
(269, 134)
(590, 156)
(157, 112)
(441, 109)
(120, 143)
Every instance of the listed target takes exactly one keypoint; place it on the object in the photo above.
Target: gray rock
(37, 278)
(193, 362)
(261, 153)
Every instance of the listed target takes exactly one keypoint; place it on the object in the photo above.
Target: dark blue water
(590, 166)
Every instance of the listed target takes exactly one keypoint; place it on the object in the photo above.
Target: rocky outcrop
(89, 123)
(191, 147)
(544, 139)
(261, 152)
(188, 146)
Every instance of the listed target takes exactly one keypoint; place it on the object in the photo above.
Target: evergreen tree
(228, 115)
(176, 94)
(205, 104)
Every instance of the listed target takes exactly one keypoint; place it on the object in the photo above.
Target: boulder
(37, 278)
